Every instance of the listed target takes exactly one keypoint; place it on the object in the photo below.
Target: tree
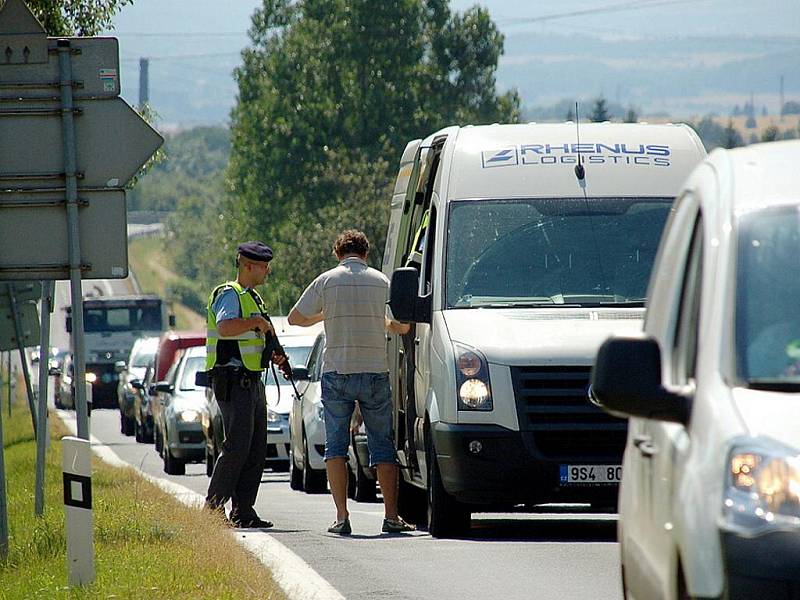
(352, 81)
(771, 134)
(732, 138)
(631, 116)
(75, 17)
(599, 110)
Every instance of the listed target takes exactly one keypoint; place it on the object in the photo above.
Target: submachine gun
(273, 345)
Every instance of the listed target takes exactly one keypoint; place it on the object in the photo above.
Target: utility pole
(144, 82)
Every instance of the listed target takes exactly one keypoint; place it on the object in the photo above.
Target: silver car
(178, 425)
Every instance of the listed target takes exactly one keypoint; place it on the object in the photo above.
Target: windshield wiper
(529, 305)
(774, 385)
(624, 303)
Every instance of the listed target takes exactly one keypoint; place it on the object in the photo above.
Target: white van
(521, 266)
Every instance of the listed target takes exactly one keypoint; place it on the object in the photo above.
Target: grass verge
(147, 260)
(147, 545)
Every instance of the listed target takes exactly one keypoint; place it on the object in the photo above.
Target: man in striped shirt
(351, 300)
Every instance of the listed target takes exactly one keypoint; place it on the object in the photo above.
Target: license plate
(590, 474)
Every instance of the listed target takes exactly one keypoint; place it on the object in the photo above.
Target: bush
(185, 292)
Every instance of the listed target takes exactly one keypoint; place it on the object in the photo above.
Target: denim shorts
(340, 393)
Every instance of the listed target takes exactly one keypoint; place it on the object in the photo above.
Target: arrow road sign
(43, 227)
(29, 318)
(112, 142)
(95, 70)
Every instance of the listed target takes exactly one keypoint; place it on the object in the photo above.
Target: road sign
(24, 291)
(112, 142)
(43, 227)
(29, 320)
(95, 69)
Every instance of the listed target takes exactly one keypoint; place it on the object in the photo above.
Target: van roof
(538, 159)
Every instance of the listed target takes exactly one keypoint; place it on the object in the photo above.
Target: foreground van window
(546, 251)
(768, 289)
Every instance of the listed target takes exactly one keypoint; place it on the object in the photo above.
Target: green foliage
(732, 139)
(329, 93)
(75, 17)
(599, 110)
(187, 293)
(714, 135)
(771, 134)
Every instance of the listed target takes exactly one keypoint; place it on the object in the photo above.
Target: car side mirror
(165, 387)
(136, 384)
(626, 381)
(300, 373)
(54, 371)
(406, 305)
(120, 366)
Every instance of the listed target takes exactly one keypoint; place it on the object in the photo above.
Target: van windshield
(552, 251)
(767, 289)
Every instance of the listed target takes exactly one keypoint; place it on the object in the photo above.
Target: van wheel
(158, 442)
(446, 516)
(314, 482)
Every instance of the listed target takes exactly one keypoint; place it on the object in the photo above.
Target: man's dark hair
(351, 241)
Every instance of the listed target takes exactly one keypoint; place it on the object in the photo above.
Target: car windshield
(552, 251)
(768, 288)
(193, 365)
(143, 357)
(298, 355)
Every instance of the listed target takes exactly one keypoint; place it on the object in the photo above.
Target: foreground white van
(521, 265)
(710, 496)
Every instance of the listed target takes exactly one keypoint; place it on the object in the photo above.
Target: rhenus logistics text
(654, 155)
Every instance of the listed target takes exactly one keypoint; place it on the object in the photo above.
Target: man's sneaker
(396, 526)
(341, 527)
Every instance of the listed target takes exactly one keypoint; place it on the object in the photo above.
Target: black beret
(255, 251)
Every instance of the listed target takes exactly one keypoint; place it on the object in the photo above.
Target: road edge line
(294, 575)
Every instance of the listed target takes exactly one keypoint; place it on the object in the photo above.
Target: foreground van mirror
(406, 305)
(626, 381)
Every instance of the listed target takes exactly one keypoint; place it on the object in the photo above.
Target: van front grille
(553, 408)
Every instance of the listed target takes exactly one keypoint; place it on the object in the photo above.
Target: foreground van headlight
(763, 489)
(90, 377)
(189, 416)
(472, 379)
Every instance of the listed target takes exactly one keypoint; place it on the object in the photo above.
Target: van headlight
(272, 416)
(763, 489)
(472, 379)
(90, 377)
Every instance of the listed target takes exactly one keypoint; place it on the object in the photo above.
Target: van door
(401, 185)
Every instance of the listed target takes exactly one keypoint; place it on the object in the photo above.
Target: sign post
(26, 333)
(44, 368)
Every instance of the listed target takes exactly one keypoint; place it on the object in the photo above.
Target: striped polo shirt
(353, 297)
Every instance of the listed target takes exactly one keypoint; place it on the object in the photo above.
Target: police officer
(235, 340)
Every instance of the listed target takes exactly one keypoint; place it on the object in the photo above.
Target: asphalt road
(510, 556)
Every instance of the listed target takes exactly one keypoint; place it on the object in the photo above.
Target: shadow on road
(543, 530)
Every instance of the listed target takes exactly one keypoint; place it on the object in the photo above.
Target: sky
(193, 45)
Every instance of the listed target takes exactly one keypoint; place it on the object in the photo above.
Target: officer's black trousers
(238, 470)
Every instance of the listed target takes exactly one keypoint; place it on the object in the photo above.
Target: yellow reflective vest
(251, 343)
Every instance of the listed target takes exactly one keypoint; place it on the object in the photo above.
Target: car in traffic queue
(182, 402)
(710, 495)
(143, 404)
(307, 426)
(129, 371)
(169, 344)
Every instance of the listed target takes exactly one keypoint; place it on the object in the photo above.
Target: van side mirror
(164, 387)
(137, 384)
(406, 305)
(626, 381)
(53, 371)
(120, 366)
(68, 324)
(171, 321)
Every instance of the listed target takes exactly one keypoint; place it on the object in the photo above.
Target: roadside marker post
(77, 467)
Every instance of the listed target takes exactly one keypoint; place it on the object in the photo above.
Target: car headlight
(763, 489)
(90, 377)
(319, 411)
(472, 379)
(272, 416)
(188, 416)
